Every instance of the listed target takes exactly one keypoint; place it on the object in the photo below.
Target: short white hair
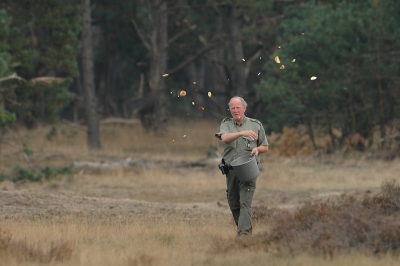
(237, 97)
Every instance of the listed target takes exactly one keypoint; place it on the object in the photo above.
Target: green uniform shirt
(242, 145)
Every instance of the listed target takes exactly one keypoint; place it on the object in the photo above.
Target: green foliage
(6, 119)
(43, 36)
(21, 174)
(40, 101)
(5, 57)
(347, 46)
(3, 177)
(26, 149)
(38, 39)
(44, 174)
(49, 173)
(52, 133)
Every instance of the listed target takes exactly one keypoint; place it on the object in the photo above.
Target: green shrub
(50, 173)
(23, 174)
(44, 174)
(3, 177)
(52, 133)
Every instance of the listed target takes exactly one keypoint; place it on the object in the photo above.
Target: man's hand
(258, 150)
(250, 134)
(255, 151)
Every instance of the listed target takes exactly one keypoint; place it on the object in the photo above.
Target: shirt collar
(243, 121)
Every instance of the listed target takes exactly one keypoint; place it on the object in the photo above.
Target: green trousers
(240, 197)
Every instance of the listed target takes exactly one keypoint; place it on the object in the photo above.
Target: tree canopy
(350, 48)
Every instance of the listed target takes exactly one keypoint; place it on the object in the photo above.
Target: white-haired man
(241, 135)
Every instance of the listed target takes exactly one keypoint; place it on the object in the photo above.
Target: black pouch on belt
(223, 167)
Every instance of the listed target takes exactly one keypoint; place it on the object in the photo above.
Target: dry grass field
(166, 206)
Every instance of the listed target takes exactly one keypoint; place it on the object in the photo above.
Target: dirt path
(24, 203)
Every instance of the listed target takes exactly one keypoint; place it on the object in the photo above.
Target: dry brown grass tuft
(21, 251)
(348, 225)
(142, 239)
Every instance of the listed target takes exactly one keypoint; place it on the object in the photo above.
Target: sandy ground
(20, 203)
(30, 203)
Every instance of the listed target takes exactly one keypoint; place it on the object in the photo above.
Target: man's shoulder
(226, 119)
(255, 121)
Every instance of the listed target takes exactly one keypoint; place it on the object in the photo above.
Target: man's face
(237, 109)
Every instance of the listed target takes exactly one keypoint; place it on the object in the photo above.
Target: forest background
(331, 67)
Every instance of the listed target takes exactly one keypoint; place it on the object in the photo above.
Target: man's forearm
(263, 149)
(229, 137)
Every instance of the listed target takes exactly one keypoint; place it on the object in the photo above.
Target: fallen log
(119, 121)
(207, 162)
(106, 121)
(129, 163)
(101, 165)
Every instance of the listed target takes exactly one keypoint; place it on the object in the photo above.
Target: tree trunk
(217, 75)
(238, 76)
(158, 66)
(92, 120)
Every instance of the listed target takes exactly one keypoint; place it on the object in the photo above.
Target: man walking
(241, 135)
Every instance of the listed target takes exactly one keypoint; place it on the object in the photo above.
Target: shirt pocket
(249, 144)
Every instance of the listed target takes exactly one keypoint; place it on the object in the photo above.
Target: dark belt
(230, 166)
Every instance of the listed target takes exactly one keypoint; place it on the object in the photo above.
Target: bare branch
(200, 37)
(48, 80)
(35, 80)
(251, 59)
(141, 36)
(192, 58)
(13, 76)
(74, 125)
(19, 147)
(174, 38)
(22, 151)
(215, 60)
(254, 56)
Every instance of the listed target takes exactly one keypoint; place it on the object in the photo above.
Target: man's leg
(246, 199)
(232, 194)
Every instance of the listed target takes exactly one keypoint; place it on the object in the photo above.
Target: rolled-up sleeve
(262, 138)
(222, 130)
